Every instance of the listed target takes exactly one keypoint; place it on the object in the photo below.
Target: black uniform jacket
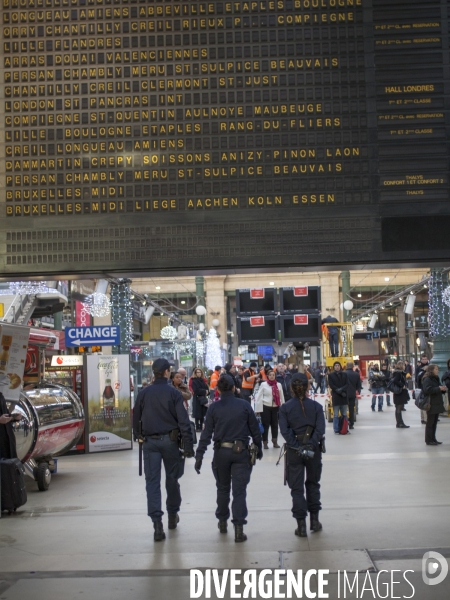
(161, 409)
(230, 419)
(293, 421)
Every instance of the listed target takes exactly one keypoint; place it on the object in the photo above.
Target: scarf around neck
(275, 391)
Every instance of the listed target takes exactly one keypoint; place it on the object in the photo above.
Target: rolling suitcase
(13, 492)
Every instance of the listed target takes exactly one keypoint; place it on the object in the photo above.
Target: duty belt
(230, 445)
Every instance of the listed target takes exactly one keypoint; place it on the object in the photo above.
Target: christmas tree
(213, 354)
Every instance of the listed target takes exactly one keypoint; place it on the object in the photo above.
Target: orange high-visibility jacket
(248, 380)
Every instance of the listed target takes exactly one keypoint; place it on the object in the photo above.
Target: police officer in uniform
(160, 408)
(302, 424)
(233, 422)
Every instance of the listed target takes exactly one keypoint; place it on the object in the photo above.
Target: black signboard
(256, 301)
(307, 329)
(300, 299)
(173, 134)
(257, 329)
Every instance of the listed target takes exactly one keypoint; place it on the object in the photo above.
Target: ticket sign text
(300, 291)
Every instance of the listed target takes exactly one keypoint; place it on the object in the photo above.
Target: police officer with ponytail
(232, 422)
(302, 424)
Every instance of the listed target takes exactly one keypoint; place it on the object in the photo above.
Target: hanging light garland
(438, 308)
(27, 288)
(122, 312)
(97, 305)
(446, 296)
(168, 333)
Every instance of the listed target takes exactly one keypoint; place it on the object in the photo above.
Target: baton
(140, 441)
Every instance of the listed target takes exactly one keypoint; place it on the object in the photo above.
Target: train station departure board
(187, 134)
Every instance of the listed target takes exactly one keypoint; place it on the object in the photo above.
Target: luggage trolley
(345, 344)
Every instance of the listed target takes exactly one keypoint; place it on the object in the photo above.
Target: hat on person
(253, 364)
(161, 365)
(300, 378)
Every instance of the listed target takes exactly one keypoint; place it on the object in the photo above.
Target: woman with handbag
(200, 390)
(268, 400)
(397, 385)
(431, 386)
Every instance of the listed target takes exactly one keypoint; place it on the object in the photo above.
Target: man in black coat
(353, 389)
(337, 380)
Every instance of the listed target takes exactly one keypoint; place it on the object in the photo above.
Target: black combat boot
(315, 524)
(301, 529)
(174, 519)
(239, 535)
(159, 531)
(223, 526)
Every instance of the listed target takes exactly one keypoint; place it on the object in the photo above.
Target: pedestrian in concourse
(337, 380)
(232, 422)
(238, 377)
(377, 383)
(284, 378)
(177, 381)
(302, 424)
(353, 390)
(433, 388)
(401, 395)
(268, 400)
(386, 372)
(200, 390)
(249, 378)
(420, 372)
(158, 418)
(213, 381)
(230, 370)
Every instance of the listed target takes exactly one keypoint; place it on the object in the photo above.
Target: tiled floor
(386, 500)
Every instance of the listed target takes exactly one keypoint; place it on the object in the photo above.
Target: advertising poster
(109, 402)
(13, 353)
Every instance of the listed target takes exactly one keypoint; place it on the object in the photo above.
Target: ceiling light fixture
(359, 295)
(387, 279)
(183, 302)
(158, 287)
(271, 282)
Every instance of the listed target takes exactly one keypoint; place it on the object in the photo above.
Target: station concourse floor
(386, 501)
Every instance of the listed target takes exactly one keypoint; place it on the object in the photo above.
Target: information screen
(297, 299)
(265, 331)
(256, 302)
(165, 135)
(308, 331)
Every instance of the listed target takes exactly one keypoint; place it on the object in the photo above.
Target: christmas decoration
(168, 333)
(27, 288)
(97, 305)
(213, 355)
(446, 295)
(438, 310)
(122, 312)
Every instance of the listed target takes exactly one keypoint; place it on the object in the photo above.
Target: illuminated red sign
(257, 294)
(257, 321)
(300, 319)
(300, 291)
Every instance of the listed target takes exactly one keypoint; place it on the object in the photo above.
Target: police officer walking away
(302, 424)
(232, 421)
(159, 415)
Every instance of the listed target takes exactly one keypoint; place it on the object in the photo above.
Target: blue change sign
(103, 335)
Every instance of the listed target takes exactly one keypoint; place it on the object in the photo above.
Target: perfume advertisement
(13, 353)
(109, 402)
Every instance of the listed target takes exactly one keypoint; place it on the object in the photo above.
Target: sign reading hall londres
(192, 134)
